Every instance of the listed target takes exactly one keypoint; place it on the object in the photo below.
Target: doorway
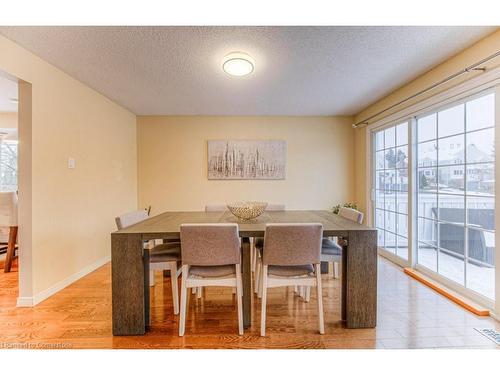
(9, 120)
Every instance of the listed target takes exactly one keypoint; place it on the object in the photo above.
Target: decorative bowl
(247, 210)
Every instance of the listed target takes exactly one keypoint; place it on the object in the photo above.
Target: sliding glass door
(456, 193)
(391, 189)
(453, 193)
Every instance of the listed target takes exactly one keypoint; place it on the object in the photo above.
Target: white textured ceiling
(8, 90)
(299, 70)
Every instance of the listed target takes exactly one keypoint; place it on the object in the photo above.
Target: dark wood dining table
(130, 263)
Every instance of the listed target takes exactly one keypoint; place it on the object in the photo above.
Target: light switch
(71, 163)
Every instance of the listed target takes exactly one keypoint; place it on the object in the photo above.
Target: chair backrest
(351, 214)
(292, 244)
(8, 209)
(210, 244)
(275, 207)
(215, 207)
(131, 218)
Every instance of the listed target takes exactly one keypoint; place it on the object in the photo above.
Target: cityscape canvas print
(246, 160)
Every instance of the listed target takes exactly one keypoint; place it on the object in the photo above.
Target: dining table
(130, 263)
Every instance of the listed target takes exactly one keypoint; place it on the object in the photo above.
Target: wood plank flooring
(410, 315)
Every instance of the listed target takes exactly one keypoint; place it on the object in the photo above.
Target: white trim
(37, 298)
(396, 259)
(412, 193)
(497, 201)
(495, 316)
(369, 177)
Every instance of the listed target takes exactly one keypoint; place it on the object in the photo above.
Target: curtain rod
(470, 68)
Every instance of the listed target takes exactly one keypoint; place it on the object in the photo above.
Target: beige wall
(73, 210)
(482, 49)
(172, 161)
(8, 119)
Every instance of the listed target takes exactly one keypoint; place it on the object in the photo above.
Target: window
(8, 165)
(391, 188)
(455, 193)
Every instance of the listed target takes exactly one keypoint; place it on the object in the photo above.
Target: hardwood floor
(410, 315)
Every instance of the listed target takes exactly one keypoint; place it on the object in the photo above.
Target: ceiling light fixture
(238, 64)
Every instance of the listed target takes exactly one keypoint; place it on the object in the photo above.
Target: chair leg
(198, 292)
(193, 290)
(264, 301)
(302, 293)
(253, 255)
(335, 270)
(239, 295)
(257, 277)
(175, 290)
(151, 277)
(182, 321)
(261, 277)
(319, 291)
(308, 294)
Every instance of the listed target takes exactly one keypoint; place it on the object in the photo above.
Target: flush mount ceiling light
(238, 64)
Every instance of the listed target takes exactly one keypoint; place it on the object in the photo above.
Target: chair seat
(212, 271)
(330, 247)
(159, 258)
(166, 252)
(290, 270)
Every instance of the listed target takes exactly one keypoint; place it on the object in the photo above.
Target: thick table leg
(361, 275)
(343, 280)
(147, 309)
(128, 284)
(247, 281)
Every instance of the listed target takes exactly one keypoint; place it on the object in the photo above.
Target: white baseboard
(495, 316)
(37, 298)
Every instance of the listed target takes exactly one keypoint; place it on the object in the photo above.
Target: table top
(168, 223)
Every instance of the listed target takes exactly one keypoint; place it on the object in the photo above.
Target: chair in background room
(211, 256)
(215, 208)
(291, 257)
(351, 214)
(8, 220)
(162, 257)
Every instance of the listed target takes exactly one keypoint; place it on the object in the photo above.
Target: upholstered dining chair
(163, 257)
(331, 251)
(257, 244)
(8, 220)
(291, 257)
(213, 207)
(210, 257)
(351, 214)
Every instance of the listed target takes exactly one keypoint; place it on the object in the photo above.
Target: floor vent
(490, 333)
